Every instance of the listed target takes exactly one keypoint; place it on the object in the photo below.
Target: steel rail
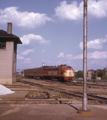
(67, 92)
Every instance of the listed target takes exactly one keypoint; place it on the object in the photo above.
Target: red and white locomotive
(61, 72)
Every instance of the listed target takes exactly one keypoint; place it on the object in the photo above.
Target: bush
(93, 76)
(105, 77)
(79, 74)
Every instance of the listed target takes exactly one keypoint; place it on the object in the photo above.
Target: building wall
(89, 74)
(7, 64)
(14, 63)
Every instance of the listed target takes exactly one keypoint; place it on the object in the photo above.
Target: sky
(52, 32)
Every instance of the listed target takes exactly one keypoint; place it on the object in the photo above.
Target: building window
(2, 45)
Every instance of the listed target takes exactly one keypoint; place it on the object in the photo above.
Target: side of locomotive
(62, 72)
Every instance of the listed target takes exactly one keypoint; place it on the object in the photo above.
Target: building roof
(4, 36)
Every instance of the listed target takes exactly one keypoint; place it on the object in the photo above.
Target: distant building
(8, 55)
(90, 73)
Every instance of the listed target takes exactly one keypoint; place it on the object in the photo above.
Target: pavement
(50, 112)
(16, 107)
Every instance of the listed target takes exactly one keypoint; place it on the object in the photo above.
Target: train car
(29, 73)
(61, 72)
(39, 73)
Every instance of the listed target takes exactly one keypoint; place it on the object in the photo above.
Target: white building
(8, 55)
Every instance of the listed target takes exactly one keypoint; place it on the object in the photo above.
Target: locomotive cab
(68, 73)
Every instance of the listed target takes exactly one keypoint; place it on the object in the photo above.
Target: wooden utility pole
(84, 110)
(84, 105)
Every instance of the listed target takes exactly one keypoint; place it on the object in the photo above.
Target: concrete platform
(50, 112)
(18, 95)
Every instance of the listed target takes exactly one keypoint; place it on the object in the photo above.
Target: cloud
(27, 51)
(94, 44)
(93, 55)
(43, 51)
(74, 11)
(97, 8)
(27, 60)
(20, 57)
(23, 19)
(69, 11)
(78, 56)
(61, 55)
(69, 57)
(26, 39)
(98, 55)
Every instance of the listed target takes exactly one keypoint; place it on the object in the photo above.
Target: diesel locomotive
(61, 72)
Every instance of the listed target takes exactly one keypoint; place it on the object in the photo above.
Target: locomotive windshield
(70, 68)
(65, 67)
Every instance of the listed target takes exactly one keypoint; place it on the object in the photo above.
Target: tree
(104, 77)
(79, 74)
(93, 76)
(101, 73)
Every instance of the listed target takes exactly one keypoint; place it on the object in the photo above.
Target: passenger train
(61, 72)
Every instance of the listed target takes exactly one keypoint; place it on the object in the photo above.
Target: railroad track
(89, 85)
(66, 92)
